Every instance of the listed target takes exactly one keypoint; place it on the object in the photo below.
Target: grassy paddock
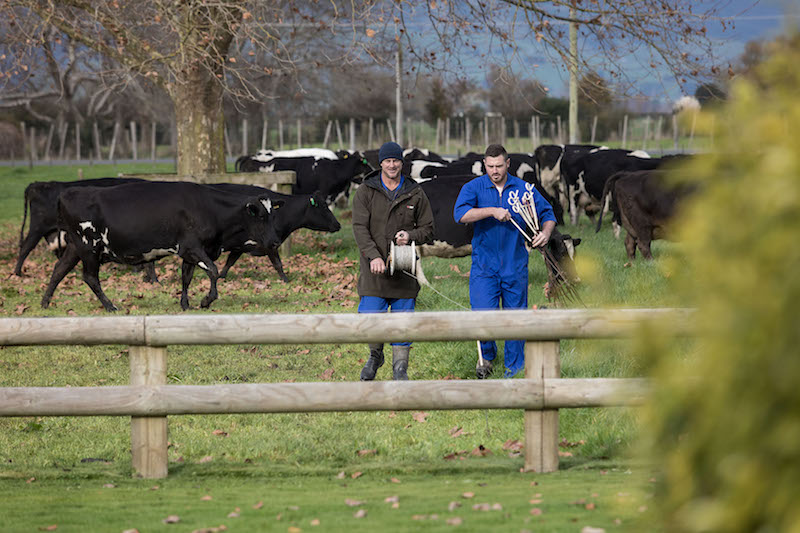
(292, 460)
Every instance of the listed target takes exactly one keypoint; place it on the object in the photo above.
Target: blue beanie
(390, 150)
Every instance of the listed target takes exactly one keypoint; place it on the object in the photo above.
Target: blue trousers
(487, 291)
(376, 304)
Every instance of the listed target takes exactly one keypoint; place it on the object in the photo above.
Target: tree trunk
(200, 125)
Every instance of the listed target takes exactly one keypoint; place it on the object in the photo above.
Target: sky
(752, 19)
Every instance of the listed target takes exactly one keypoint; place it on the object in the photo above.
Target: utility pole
(573, 76)
(398, 74)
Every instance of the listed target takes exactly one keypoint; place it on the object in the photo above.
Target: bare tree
(194, 51)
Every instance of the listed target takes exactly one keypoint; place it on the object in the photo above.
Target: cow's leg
(630, 246)
(276, 262)
(213, 275)
(573, 208)
(64, 266)
(187, 271)
(232, 258)
(150, 275)
(616, 227)
(91, 275)
(644, 243)
(201, 259)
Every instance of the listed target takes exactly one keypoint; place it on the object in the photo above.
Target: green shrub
(725, 422)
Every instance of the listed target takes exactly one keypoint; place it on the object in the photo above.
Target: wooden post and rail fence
(148, 400)
(279, 181)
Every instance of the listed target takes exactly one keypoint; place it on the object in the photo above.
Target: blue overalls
(499, 269)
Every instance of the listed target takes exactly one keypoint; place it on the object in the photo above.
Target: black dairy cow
(647, 204)
(452, 239)
(332, 177)
(298, 211)
(41, 199)
(141, 222)
(589, 173)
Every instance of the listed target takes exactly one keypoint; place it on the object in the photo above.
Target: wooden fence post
(299, 132)
(149, 433)
(541, 427)
(134, 141)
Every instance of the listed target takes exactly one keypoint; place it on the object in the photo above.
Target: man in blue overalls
(499, 257)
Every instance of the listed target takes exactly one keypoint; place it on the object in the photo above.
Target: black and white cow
(41, 199)
(140, 222)
(298, 211)
(588, 175)
(452, 239)
(647, 203)
(554, 160)
(332, 177)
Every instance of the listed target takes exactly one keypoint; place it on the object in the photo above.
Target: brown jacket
(376, 220)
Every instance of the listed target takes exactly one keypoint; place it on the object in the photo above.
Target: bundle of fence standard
(560, 287)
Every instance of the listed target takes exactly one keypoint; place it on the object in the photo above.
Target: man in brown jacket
(388, 207)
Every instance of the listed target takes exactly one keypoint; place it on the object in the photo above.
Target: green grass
(292, 460)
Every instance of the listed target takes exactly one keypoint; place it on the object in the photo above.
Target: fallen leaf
(206, 459)
(394, 480)
(514, 445)
(294, 529)
(233, 515)
(480, 507)
(327, 374)
(52, 527)
(362, 453)
(468, 495)
(303, 352)
(355, 475)
(535, 501)
(259, 505)
(31, 480)
(590, 506)
(206, 498)
(315, 522)
(340, 475)
(130, 531)
(353, 503)
(361, 513)
(589, 529)
(456, 431)
(419, 416)
(481, 451)
(455, 521)
(564, 454)
(536, 511)
(219, 433)
(453, 506)
(391, 499)
(172, 519)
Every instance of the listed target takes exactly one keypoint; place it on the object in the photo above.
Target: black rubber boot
(400, 362)
(374, 362)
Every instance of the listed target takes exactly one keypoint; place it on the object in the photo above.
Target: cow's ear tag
(313, 202)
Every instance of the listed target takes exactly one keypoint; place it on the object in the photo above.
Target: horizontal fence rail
(320, 397)
(149, 400)
(163, 330)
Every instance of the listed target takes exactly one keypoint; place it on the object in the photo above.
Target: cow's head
(562, 247)
(318, 215)
(259, 223)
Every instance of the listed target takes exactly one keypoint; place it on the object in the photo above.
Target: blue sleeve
(467, 199)
(543, 208)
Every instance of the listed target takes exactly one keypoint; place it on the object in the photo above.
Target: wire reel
(403, 258)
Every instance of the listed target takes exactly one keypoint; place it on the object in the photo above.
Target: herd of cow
(135, 221)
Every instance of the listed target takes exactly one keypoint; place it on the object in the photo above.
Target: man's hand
(501, 214)
(543, 237)
(377, 266)
(401, 238)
